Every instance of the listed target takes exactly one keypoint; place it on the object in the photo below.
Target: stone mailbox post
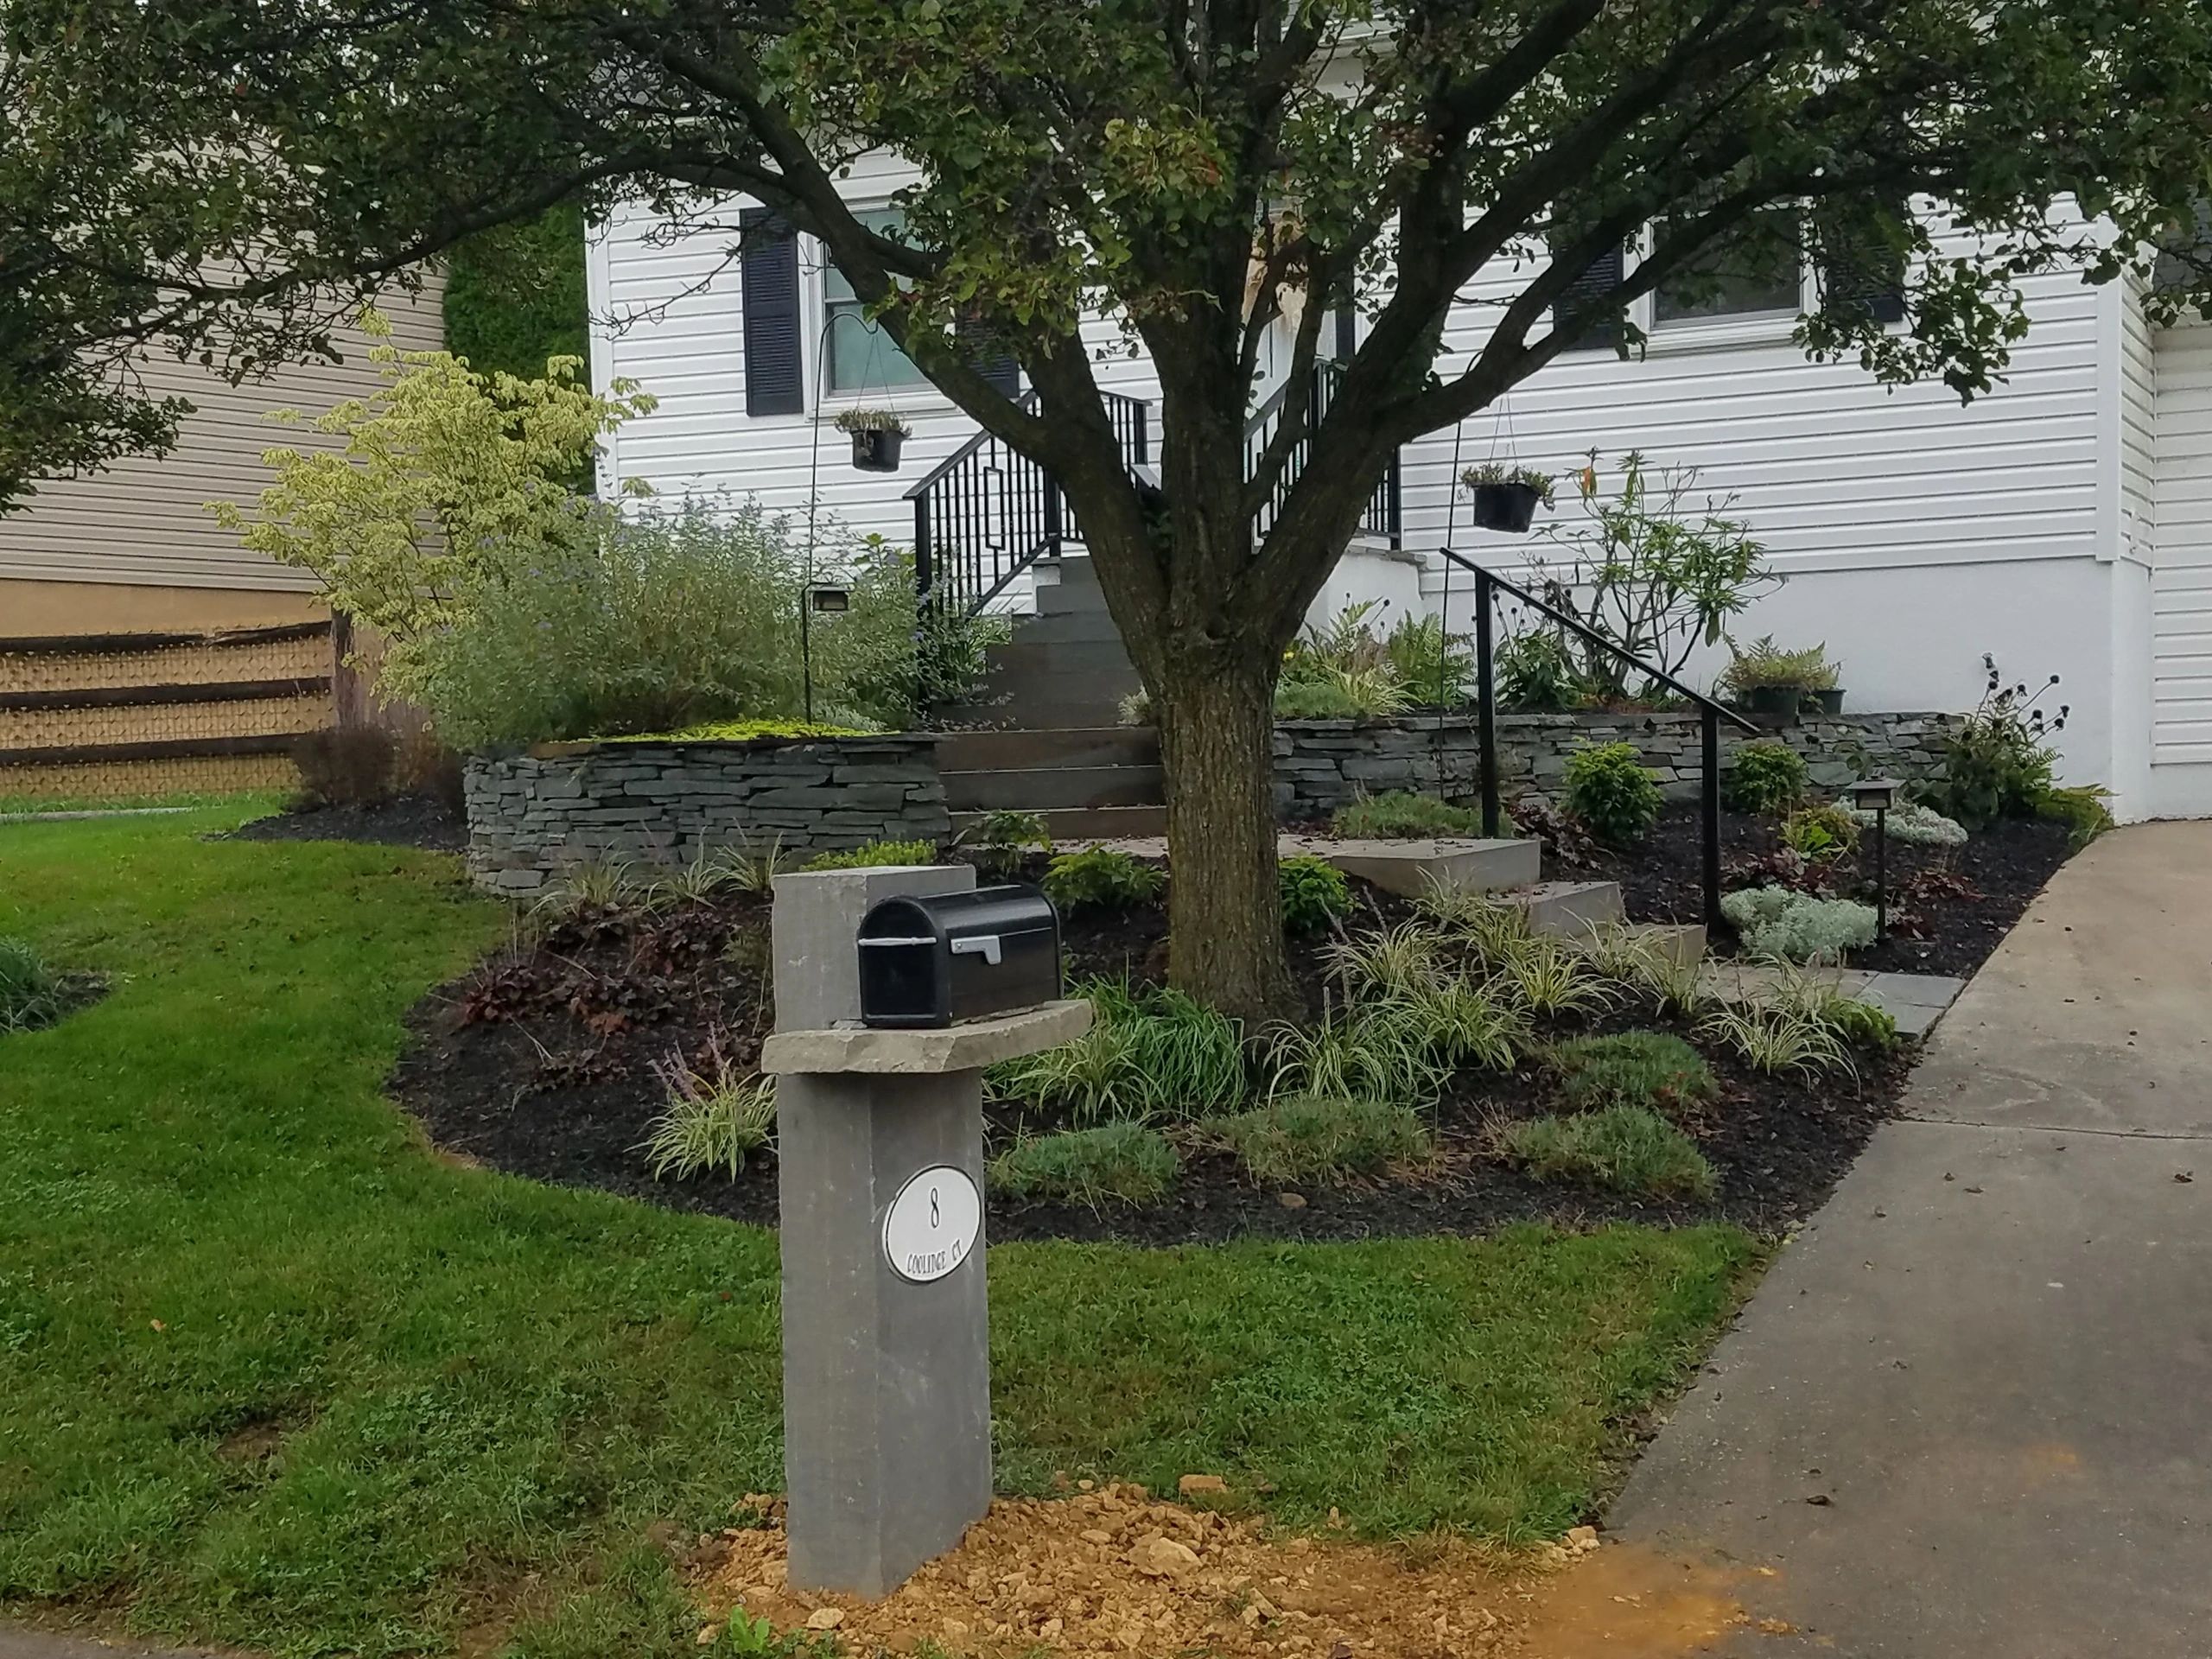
(887, 1331)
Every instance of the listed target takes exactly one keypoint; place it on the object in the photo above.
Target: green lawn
(275, 1376)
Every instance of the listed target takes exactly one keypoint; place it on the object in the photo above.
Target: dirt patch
(424, 821)
(1115, 1572)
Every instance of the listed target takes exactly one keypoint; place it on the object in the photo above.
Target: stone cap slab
(969, 1047)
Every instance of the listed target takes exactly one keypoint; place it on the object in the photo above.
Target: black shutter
(1347, 332)
(1860, 274)
(989, 355)
(1572, 307)
(775, 349)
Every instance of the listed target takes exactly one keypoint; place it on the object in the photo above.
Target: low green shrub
(1005, 838)
(1148, 1053)
(1124, 1160)
(716, 1116)
(1916, 825)
(1307, 1139)
(1403, 816)
(1819, 832)
(1436, 669)
(1782, 925)
(31, 993)
(877, 854)
(1767, 778)
(1313, 893)
(1628, 1149)
(1861, 1024)
(1538, 675)
(1998, 763)
(1102, 878)
(1632, 1068)
(2082, 808)
(1608, 790)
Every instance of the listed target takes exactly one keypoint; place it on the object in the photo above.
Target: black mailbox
(932, 958)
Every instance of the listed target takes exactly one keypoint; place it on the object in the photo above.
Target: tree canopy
(1196, 170)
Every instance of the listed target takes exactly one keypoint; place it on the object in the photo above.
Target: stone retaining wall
(1320, 764)
(533, 814)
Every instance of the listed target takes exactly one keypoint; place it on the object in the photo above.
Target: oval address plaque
(932, 1224)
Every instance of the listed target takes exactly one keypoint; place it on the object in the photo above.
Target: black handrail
(987, 512)
(1383, 514)
(1487, 583)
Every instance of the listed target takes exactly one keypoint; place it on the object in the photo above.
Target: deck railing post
(1711, 790)
(1486, 709)
(923, 570)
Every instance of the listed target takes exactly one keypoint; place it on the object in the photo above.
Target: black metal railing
(1487, 585)
(985, 512)
(1384, 515)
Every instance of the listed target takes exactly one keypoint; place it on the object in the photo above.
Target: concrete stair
(1065, 665)
(1088, 782)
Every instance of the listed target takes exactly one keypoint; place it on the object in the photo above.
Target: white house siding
(2181, 584)
(1915, 533)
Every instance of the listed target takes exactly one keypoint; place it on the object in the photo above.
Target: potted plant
(1764, 679)
(877, 434)
(1506, 497)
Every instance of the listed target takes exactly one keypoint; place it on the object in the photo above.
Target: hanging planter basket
(877, 436)
(1508, 507)
(1506, 498)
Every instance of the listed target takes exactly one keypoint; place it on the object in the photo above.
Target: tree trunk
(1216, 746)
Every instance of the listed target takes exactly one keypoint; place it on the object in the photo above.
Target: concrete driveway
(1969, 1413)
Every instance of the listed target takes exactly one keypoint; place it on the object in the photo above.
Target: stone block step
(1077, 827)
(1567, 910)
(1411, 867)
(1079, 746)
(1095, 665)
(1034, 711)
(1683, 941)
(1038, 789)
(1063, 627)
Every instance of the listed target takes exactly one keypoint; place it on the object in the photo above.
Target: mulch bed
(425, 821)
(539, 1062)
(1949, 906)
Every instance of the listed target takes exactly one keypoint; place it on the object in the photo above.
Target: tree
(1201, 169)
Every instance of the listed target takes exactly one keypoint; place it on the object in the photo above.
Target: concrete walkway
(1969, 1414)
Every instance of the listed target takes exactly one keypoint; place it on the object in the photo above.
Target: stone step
(1683, 941)
(1411, 867)
(1029, 710)
(1077, 827)
(1567, 910)
(1020, 749)
(1038, 789)
(1095, 665)
(1077, 627)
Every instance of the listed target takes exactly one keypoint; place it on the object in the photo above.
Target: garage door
(2181, 626)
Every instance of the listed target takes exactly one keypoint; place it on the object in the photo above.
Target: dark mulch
(1949, 905)
(430, 821)
(539, 1064)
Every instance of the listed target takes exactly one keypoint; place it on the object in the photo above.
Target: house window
(862, 357)
(1755, 272)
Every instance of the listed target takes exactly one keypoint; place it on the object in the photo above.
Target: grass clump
(1622, 1148)
(1102, 878)
(718, 1115)
(1402, 815)
(1313, 1138)
(1314, 892)
(1148, 1053)
(876, 855)
(1782, 1036)
(1124, 1160)
(1632, 1068)
(31, 993)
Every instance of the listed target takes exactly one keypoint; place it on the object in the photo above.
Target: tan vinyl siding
(143, 520)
